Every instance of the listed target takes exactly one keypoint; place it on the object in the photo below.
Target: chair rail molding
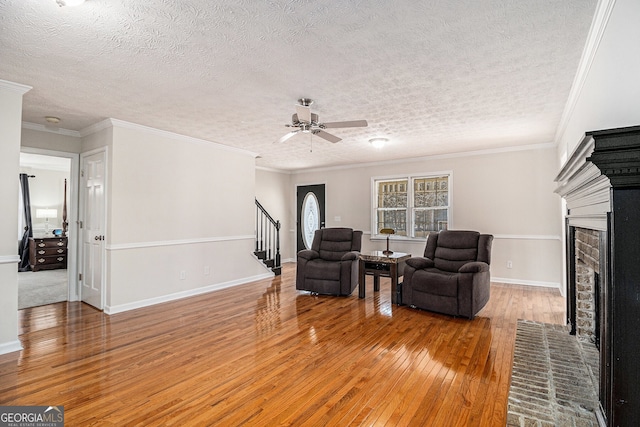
(9, 259)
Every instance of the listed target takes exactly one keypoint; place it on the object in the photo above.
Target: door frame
(81, 217)
(295, 198)
(73, 291)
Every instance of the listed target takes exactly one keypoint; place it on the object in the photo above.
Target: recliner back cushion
(335, 242)
(455, 249)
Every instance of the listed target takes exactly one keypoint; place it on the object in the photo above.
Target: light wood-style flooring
(264, 354)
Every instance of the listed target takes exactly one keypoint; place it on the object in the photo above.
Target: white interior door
(93, 229)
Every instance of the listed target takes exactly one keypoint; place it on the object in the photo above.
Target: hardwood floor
(266, 354)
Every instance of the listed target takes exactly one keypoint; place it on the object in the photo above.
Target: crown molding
(285, 172)
(596, 32)
(116, 123)
(15, 87)
(510, 149)
(96, 127)
(51, 129)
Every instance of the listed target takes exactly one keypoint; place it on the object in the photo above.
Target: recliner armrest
(308, 254)
(474, 267)
(420, 262)
(350, 256)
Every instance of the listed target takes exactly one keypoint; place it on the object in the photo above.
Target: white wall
(10, 124)
(273, 191)
(45, 138)
(608, 95)
(175, 205)
(508, 194)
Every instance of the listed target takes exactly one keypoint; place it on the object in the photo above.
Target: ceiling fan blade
(327, 136)
(304, 113)
(287, 136)
(349, 124)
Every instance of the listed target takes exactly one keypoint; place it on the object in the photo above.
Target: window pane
(392, 205)
(396, 219)
(392, 194)
(427, 220)
(431, 192)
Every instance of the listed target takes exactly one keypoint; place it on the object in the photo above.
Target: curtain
(23, 250)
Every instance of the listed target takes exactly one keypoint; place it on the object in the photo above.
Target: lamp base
(387, 252)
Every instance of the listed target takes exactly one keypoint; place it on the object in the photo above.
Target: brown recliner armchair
(331, 265)
(453, 276)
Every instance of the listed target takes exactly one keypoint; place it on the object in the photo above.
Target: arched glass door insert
(310, 218)
(310, 200)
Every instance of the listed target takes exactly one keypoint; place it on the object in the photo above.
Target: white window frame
(410, 202)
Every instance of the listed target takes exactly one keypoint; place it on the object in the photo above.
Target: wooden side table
(378, 264)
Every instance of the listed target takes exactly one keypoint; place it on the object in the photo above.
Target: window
(412, 205)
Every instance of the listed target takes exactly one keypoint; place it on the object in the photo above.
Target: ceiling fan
(304, 121)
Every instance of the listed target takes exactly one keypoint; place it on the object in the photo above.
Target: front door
(310, 213)
(93, 226)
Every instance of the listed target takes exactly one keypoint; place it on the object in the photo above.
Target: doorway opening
(48, 272)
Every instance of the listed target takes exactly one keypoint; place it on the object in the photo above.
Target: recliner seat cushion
(436, 282)
(324, 270)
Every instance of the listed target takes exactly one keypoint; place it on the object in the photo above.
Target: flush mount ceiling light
(52, 120)
(69, 2)
(378, 142)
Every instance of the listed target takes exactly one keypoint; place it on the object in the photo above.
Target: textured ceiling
(434, 77)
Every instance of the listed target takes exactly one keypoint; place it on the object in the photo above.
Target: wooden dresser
(47, 253)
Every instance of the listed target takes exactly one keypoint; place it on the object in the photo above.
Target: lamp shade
(46, 213)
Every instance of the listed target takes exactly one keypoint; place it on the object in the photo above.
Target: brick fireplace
(587, 284)
(601, 186)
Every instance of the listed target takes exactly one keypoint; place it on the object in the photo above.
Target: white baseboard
(10, 347)
(526, 282)
(184, 294)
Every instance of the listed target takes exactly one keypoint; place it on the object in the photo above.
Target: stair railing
(267, 239)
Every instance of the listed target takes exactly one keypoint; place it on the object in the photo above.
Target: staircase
(267, 239)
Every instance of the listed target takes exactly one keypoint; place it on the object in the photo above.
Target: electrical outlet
(207, 270)
(509, 264)
(183, 275)
(337, 219)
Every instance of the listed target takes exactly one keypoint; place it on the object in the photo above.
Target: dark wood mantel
(616, 153)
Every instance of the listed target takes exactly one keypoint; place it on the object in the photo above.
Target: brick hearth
(554, 378)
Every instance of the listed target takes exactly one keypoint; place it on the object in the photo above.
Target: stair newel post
(278, 243)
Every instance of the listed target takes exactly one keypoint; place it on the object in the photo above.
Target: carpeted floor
(42, 287)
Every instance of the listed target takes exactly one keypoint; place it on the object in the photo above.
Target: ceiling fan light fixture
(378, 142)
(69, 2)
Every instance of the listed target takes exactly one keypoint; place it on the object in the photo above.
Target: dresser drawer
(54, 242)
(50, 251)
(48, 260)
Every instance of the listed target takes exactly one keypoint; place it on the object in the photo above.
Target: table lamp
(388, 232)
(46, 214)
